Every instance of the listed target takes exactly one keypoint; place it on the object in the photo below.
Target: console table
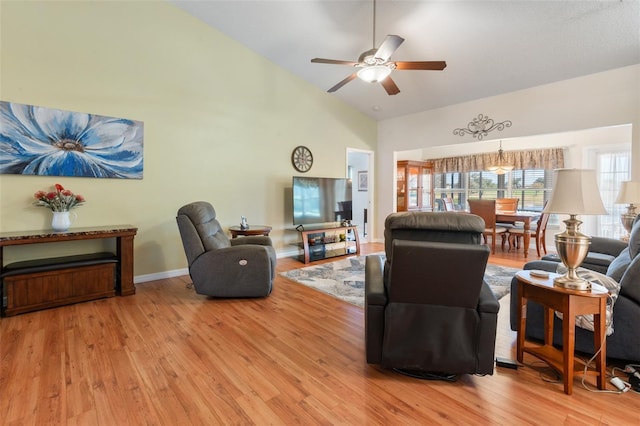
(74, 274)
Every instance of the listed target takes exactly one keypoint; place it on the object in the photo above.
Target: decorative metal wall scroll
(481, 126)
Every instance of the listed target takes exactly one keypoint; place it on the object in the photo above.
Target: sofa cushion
(600, 259)
(586, 321)
(634, 240)
(595, 261)
(619, 265)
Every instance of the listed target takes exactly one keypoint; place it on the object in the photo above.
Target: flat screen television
(318, 200)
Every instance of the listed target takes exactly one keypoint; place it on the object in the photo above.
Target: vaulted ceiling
(490, 47)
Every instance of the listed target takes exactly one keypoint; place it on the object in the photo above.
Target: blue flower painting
(50, 142)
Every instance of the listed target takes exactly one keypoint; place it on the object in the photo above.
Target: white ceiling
(491, 47)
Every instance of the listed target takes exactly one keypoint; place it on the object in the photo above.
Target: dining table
(519, 216)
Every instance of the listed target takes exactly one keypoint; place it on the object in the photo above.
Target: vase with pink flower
(60, 202)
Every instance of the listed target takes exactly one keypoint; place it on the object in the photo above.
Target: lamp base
(572, 247)
(627, 221)
(628, 217)
(572, 284)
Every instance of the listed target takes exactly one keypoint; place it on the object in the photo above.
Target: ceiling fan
(375, 65)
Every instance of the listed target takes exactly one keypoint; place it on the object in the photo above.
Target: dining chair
(448, 204)
(486, 209)
(538, 232)
(507, 204)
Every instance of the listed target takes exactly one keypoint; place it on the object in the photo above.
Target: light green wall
(220, 122)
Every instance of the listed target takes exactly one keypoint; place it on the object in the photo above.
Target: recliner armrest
(487, 301)
(375, 293)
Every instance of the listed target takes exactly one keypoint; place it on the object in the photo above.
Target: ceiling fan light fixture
(374, 73)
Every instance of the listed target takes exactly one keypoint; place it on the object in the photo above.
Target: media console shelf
(43, 283)
(324, 243)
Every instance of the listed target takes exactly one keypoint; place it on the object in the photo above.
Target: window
(612, 168)
(532, 186)
(483, 185)
(451, 185)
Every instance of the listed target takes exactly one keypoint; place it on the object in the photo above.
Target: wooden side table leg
(568, 344)
(599, 333)
(549, 315)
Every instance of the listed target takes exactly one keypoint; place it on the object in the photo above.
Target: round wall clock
(302, 159)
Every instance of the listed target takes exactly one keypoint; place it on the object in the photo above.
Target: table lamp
(575, 192)
(629, 194)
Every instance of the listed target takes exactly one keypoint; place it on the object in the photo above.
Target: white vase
(61, 221)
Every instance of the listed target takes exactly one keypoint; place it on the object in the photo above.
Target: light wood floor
(168, 356)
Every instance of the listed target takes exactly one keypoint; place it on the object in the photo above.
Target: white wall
(560, 110)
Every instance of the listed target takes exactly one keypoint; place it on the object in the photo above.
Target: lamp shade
(629, 193)
(575, 191)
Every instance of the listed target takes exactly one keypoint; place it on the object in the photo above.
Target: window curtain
(547, 159)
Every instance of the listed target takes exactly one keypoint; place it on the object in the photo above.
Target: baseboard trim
(185, 271)
(160, 275)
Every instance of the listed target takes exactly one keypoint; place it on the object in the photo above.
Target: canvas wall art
(43, 141)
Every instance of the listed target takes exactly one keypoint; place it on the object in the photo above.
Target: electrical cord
(621, 385)
(545, 371)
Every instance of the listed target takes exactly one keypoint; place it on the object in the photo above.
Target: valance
(548, 159)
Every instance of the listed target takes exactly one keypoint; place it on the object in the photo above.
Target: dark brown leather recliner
(220, 267)
(427, 307)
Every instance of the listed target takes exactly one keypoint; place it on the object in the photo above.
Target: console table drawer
(39, 290)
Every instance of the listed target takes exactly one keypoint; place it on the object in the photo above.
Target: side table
(252, 230)
(570, 303)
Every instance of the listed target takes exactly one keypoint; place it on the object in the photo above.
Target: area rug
(344, 278)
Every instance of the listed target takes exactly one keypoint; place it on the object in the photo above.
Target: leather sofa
(624, 343)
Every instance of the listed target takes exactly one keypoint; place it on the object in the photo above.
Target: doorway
(360, 171)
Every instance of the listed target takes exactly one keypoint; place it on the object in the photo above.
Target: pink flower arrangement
(60, 200)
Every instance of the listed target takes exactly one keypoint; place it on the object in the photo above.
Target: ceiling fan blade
(333, 61)
(421, 65)
(343, 82)
(388, 46)
(390, 86)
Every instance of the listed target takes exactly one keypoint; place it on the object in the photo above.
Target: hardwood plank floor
(167, 356)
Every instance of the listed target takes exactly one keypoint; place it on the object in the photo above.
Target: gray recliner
(428, 311)
(218, 266)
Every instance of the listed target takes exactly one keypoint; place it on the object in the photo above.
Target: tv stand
(326, 242)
